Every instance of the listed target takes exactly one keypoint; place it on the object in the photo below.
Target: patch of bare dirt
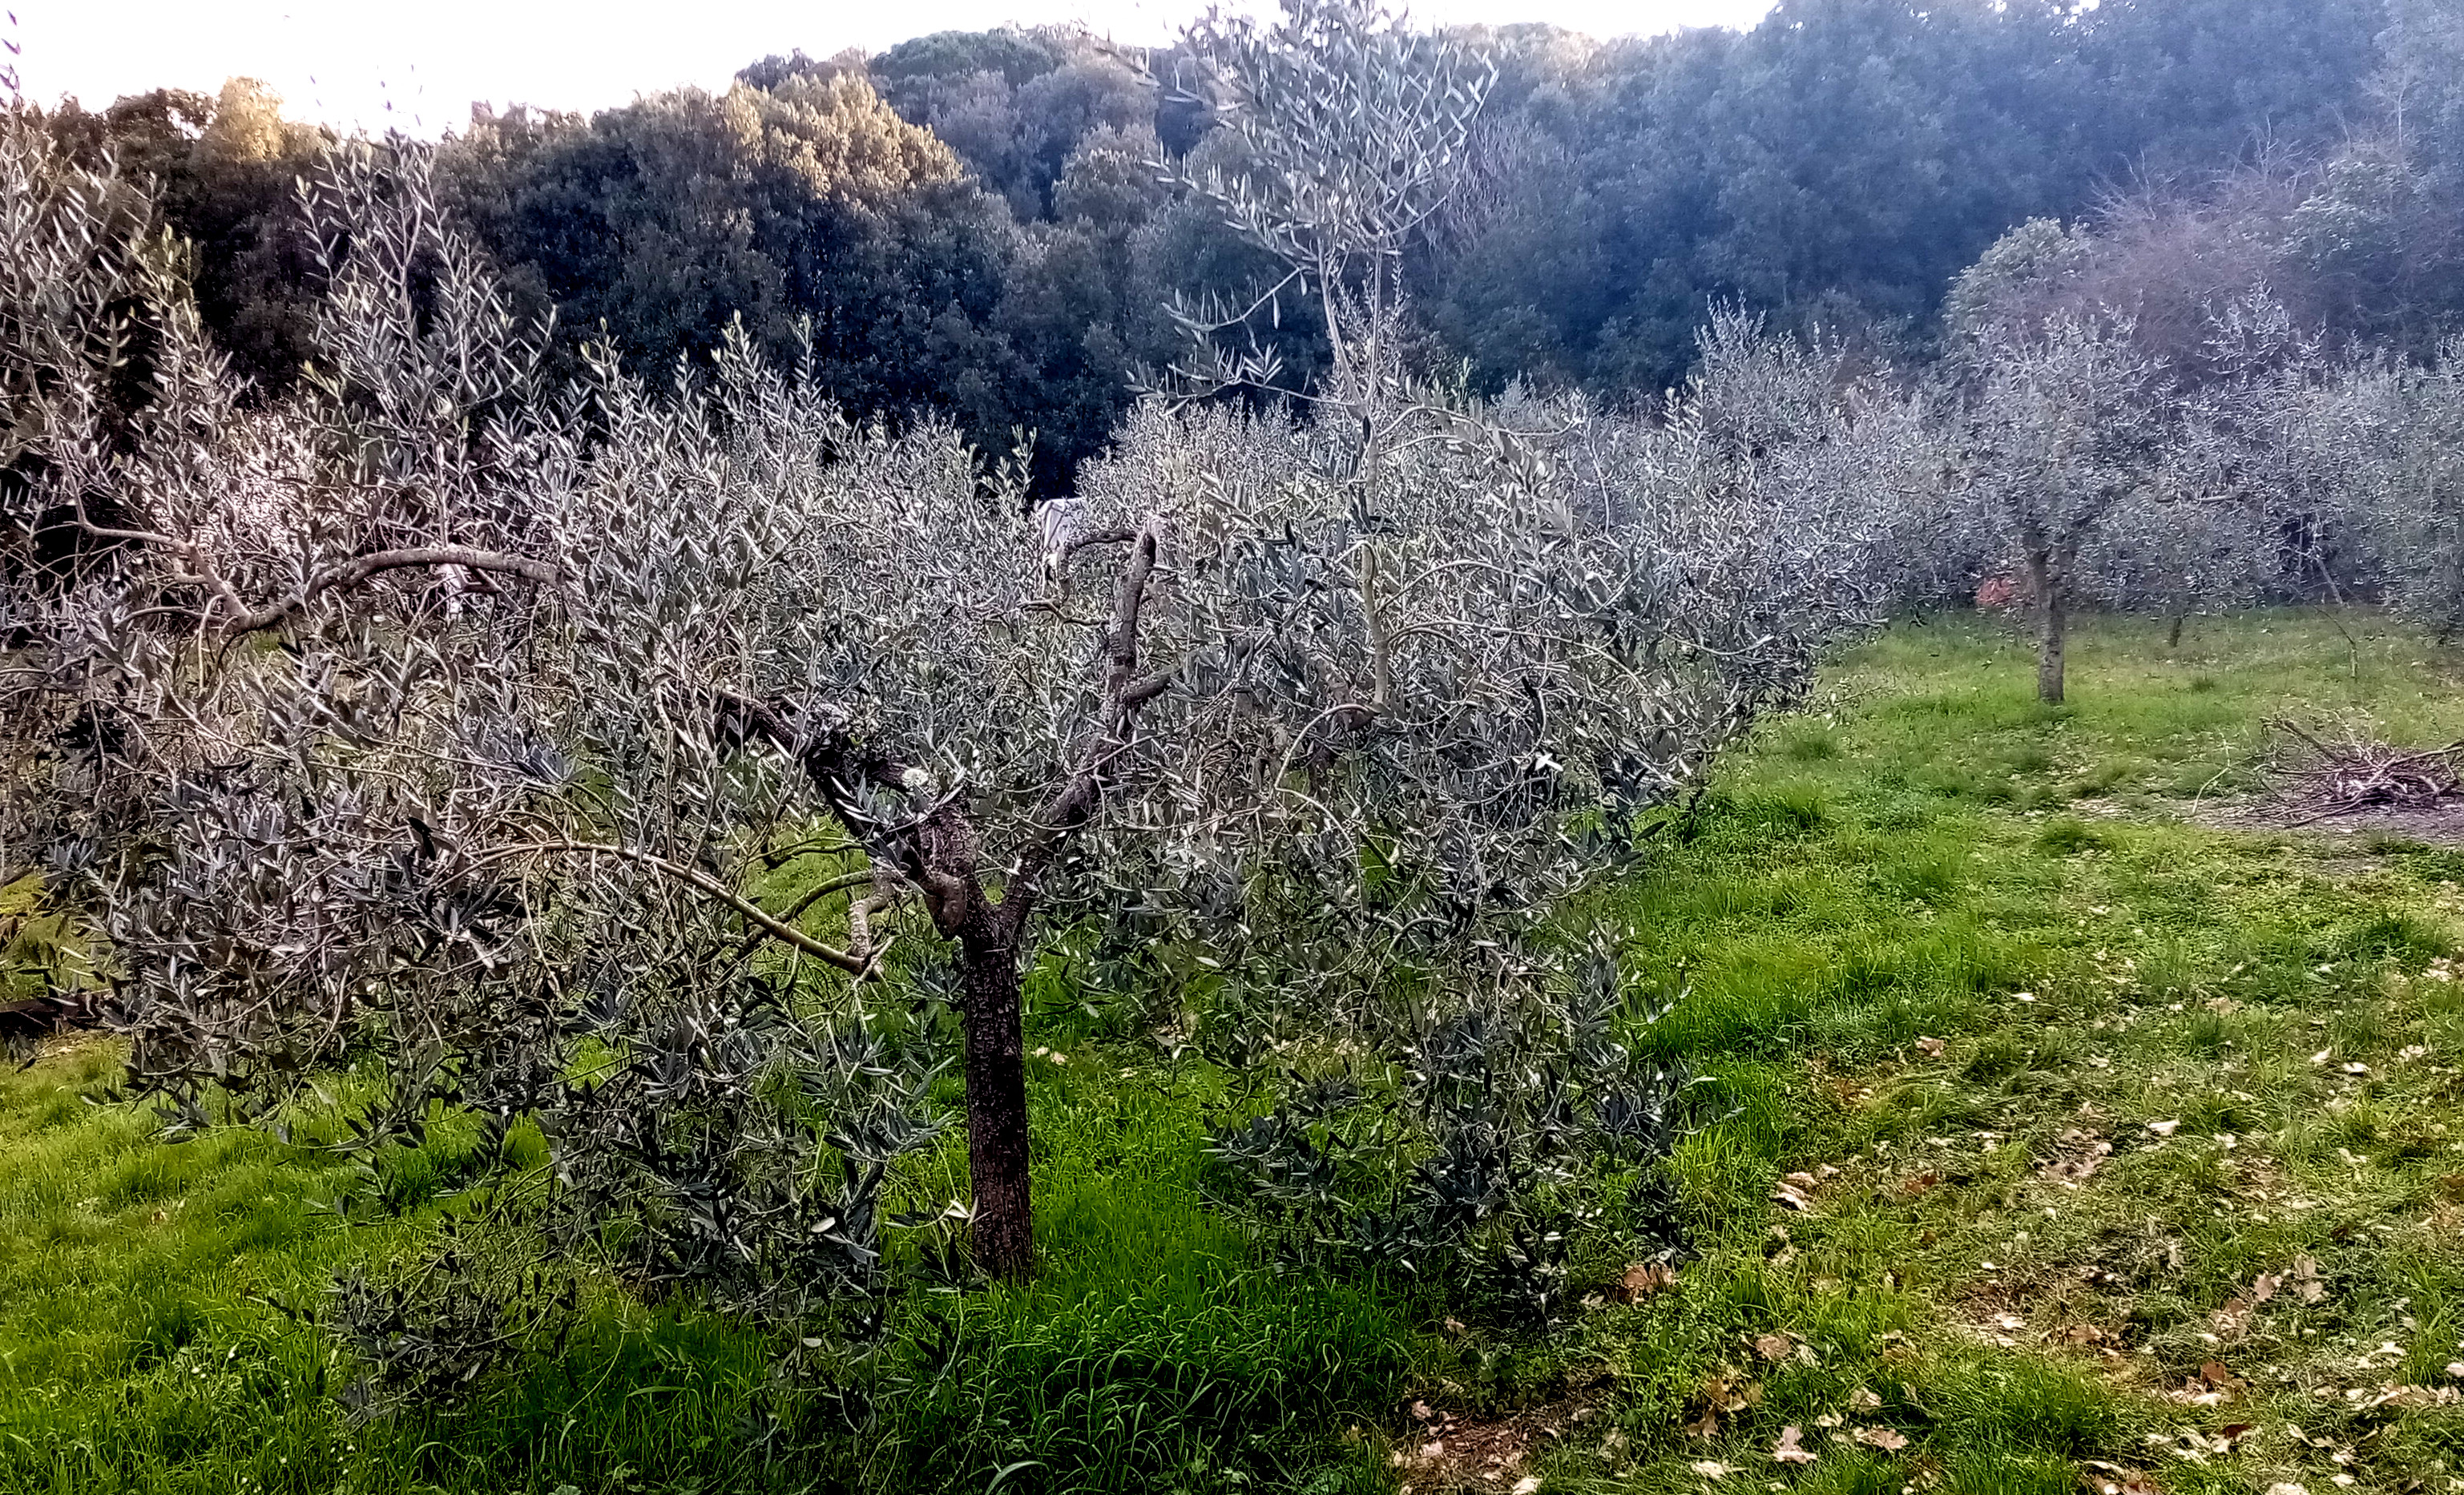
(2442, 827)
(1445, 1452)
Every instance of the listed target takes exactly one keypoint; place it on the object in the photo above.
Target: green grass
(2112, 1098)
(144, 1343)
(1973, 943)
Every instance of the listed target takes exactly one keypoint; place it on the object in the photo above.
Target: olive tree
(2067, 422)
(1354, 134)
(397, 745)
(441, 726)
(2234, 502)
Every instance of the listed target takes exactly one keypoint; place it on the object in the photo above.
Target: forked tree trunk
(936, 854)
(940, 854)
(1005, 1224)
(2046, 581)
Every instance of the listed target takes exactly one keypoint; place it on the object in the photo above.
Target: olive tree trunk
(2044, 578)
(1003, 1228)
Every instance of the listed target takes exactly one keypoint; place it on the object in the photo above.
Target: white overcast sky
(418, 64)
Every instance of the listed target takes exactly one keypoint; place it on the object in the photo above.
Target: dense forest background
(985, 224)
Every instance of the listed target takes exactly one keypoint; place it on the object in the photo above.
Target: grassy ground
(2126, 1150)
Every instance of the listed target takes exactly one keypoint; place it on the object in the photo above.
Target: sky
(417, 65)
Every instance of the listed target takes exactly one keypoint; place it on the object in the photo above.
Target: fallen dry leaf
(1774, 1346)
(1711, 1469)
(1882, 1437)
(1930, 1048)
(1723, 1396)
(1790, 1447)
(1796, 1191)
(1528, 1484)
(2164, 1129)
(1643, 1280)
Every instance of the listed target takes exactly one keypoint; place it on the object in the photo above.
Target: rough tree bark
(2044, 580)
(996, 1168)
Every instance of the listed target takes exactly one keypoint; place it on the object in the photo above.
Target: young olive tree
(2233, 488)
(2196, 544)
(395, 746)
(1355, 136)
(1845, 472)
(2067, 423)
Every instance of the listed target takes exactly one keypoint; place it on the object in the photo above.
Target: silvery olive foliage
(2233, 511)
(74, 257)
(377, 735)
(1800, 491)
(2386, 442)
(1422, 701)
(428, 746)
(1662, 578)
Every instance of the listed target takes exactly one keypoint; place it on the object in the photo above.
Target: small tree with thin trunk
(2067, 423)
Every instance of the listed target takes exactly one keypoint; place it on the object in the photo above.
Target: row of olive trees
(2300, 473)
(2385, 443)
(443, 726)
(2221, 456)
